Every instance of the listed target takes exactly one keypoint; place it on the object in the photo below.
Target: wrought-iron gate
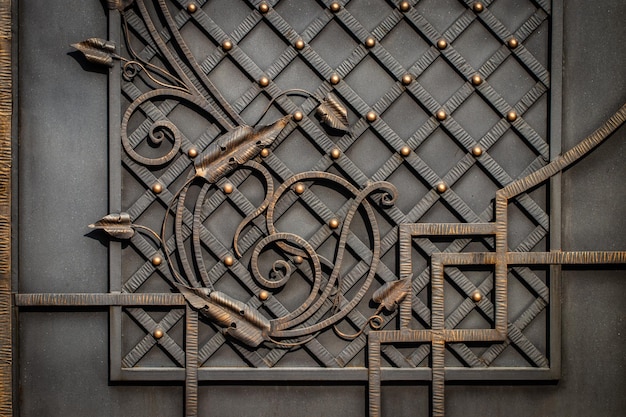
(397, 224)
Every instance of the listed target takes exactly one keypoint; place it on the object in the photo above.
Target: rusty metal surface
(186, 360)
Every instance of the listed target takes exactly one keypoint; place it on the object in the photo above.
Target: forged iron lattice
(358, 182)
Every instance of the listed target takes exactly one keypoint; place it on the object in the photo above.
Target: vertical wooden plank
(6, 114)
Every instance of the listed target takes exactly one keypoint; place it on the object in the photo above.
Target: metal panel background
(62, 114)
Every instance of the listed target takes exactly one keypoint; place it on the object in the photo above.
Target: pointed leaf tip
(117, 225)
(97, 51)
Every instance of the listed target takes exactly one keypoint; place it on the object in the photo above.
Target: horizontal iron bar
(97, 299)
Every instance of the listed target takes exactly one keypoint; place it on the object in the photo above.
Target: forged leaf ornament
(392, 293)
(117, 225)
(97, 51)
(333, 114)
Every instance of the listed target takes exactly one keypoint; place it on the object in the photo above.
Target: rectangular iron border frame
(219, 374)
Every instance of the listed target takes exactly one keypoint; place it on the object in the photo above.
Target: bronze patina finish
(441, 115)
(227, 45)
(442, 44)
(477, 80)
(478, 7)
(407, 79)
(513, 43)
(404, 6)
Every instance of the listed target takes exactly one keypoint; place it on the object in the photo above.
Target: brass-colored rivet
(370, 42)
(298, 259)
(442, 187)
(299, 188)
(478, 7)
(156, 260)
(477, 80)
(477, 296)
(441, 115)
(335, 153)
(407, 79)
(477, 151)
(264, 295)
(264, 82)
(264, 7)
(265, 153)
(405, 151)
(192, 152)
(158, 333)
(228, 188)
(405, 6)
(227, 45)
(513, 43)
(229, 260)
(297, 116)
(333, 223)
(157, 188)
(299, 44)
(334, 7)
(511, 116)
(442, 44)
(191, 8)
(371, 116)
(334, 79)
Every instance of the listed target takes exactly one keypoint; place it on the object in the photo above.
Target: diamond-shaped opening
(405, 116)
(521, 295)
(230, 80)
(332, 196)
(298, 220)
(476, 44)
(537, 116)
(440, 80)
(156, 284)
(476, 116)
(410, 189)
(516, 162)
(440, 212)
(332, 342)
(298, 75)
(223, 222)
(253, 112)
(512, 13)
(476, 189)
(405, 44)
(370, 81)
(191, 121)
(369, 153)
(235, 288)
(253, 188)
(299, 14)
(298, 358)
(440, 152)
(297, 152)
(225, 356)
(520, 225)
(511, 81)
(538, 44)
(369, 13)
(227, 14)
(294, 292)
(333, 44)
(198, 41)
(263, 46)
(440, 13)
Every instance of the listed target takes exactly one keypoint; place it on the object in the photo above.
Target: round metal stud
(441, 115)
(299, 188)
(477, 151)
(228, 188)
(298, 259)
(371, 116)
(265, 152)
(334, 7)
(442, 187)
(264, 7)
(513, 43)
(478, 7)
(192, 152)
(477, 296)
(157, 188)
(264, 81)
(264, 295)
(477, 80)
(335, 153)
(299, 44)
(297, 116)
(405, 151)
(511, 116)
(156, 260)
(442, 44)
(333, 223)
(158, 333)
(407, 79)
(227, 45)
(334, 79)
(229, 260)
(191, 7)
(405, 6)
(370, 42)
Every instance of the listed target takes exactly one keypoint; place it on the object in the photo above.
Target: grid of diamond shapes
(356, 27)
